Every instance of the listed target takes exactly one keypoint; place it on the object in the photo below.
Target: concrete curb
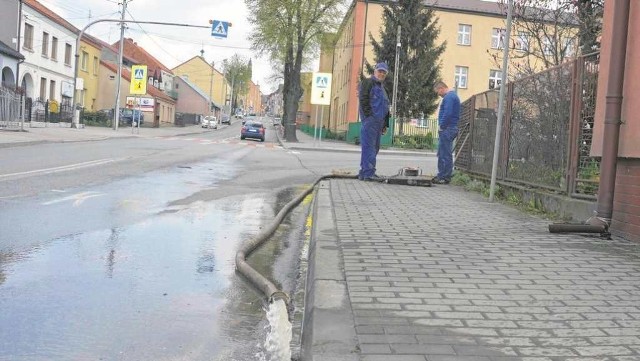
(344, 150)
(328, 331)
(341, 150)
(86, 138)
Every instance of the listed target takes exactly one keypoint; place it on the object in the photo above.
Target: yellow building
(88, 71)
(253, 98)
(473, 31)
(204, 75)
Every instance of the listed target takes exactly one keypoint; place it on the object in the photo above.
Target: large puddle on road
(161, 288)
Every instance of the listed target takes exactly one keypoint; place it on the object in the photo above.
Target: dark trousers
(370, 134)
(445, 152)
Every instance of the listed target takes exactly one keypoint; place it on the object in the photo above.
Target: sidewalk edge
(328, 331)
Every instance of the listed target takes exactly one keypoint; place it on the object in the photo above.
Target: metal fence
(547, 133)
(42, 112)
(9, 108)
(416, 133)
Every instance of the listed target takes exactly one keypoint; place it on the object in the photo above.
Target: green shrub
(97, 119)
(414, 141)
(460, 179)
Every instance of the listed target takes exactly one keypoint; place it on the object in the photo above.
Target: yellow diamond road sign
(138, 80)
(321, 89)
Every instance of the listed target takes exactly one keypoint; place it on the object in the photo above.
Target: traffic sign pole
(321, 121)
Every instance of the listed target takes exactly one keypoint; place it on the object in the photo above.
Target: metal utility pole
(211, 89)
(116, 111)
(223, 96)
(395, 75)
(503, 87)
(233, 79)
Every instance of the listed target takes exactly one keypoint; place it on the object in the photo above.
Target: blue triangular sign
(219, 28)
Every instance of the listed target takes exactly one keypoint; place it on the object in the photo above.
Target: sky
(169, 44)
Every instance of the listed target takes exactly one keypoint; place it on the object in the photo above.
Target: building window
(52, 89)
(84, 60)
(497, 38)
(54, 48)
(464, 34)
(28, 36)
(95, 65)
(461, 76)
(43, 88)
(495, 79)
(547, 46)
(67, 54)
(569, 48)
(45, 44)
(522, 41)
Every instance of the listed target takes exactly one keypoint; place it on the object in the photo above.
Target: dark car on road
(253, 129)
(127, 116)
(225, 119)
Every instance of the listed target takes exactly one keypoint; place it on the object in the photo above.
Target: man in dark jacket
(448, 117)
(374, 114)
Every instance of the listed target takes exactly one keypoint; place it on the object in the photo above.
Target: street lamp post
(395, 75)
(211, 88)
(503, 86)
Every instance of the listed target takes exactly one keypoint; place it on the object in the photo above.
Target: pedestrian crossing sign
(138, 80)
(321, 89)
(219, 29)
(138, 74)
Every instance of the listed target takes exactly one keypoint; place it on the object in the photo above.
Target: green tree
(419, 67)
(238, 74)
(547, 33)
(288, 31)
(590, 14)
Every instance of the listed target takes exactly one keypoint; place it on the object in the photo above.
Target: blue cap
(382, 66)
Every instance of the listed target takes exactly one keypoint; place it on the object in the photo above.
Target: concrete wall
(189, 101)
(626, 202)
(9, 22)
(107, 80)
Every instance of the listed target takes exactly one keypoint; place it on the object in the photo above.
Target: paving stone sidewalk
(440, 274)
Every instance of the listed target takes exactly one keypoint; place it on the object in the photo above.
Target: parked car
(127, 116)
(277, 121)
(252, 129)
(225, 119)
(209, 122)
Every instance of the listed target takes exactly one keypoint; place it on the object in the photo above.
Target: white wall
(167, 80)
(40, 66)
(10, 63)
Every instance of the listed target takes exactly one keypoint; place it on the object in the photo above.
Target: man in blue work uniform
(374, 114)
(448, 117)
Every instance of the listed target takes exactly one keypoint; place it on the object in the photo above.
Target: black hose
(261, 282)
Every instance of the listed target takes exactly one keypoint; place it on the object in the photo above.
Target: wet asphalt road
(124, 249)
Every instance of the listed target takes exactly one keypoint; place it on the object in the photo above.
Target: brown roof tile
(134, 51)
(51, 15)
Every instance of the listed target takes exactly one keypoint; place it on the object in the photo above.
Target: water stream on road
(158, 284)
(278, 341)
